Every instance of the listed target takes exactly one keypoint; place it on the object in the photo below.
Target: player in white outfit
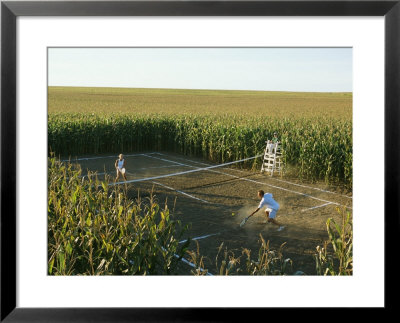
(271, 205)
(119, 165)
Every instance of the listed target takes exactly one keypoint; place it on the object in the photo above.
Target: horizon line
(199, 89)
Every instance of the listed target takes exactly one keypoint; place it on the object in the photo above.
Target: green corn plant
(228, 264)
(326, 154)
(221, 126)
(340, 261)
(95, 229)
(324, 262)
(269, 262)
(198, 261)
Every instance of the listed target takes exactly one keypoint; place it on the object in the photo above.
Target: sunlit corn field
(221, 126)
(96, 230)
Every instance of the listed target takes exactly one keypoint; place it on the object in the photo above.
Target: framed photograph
(140, 139)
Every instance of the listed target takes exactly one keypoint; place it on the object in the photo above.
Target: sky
(260, 69)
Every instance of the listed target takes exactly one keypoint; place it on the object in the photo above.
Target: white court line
(173, 189)
(109, 173)
(156, 167)
(183, 260)
(308, 209)
(102, 157)
(276, 179)
(180, 173)
(188, 263)
(314, 188)
(284, 189)
(144, 168)
(208, 168)
(214, 234)
(202, 237)
(183, 193)
(316, 207)
(250, 180)
(193, 265)
(304, 186)
(170, 161)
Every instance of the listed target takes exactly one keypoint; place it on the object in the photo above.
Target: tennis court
(215, 198)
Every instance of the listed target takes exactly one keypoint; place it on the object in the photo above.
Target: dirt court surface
(214, 202)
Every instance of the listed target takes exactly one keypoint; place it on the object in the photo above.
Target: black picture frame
(10, 10)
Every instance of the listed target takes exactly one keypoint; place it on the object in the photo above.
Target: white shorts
(272, 213)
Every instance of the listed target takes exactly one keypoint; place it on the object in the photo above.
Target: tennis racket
(244, 220)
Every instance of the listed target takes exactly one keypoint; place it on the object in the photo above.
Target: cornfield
(97, 230)
(317, 144)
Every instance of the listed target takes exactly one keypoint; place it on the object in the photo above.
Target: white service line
(202, 237)
(170, 161)
(285, 189)
(182, 173)
(316, 207)
(173, 189)
(185, 159)
(300, 185)
(183, 193)
(314, 188)
(276, 179)
(253, 181)
(156, 167)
